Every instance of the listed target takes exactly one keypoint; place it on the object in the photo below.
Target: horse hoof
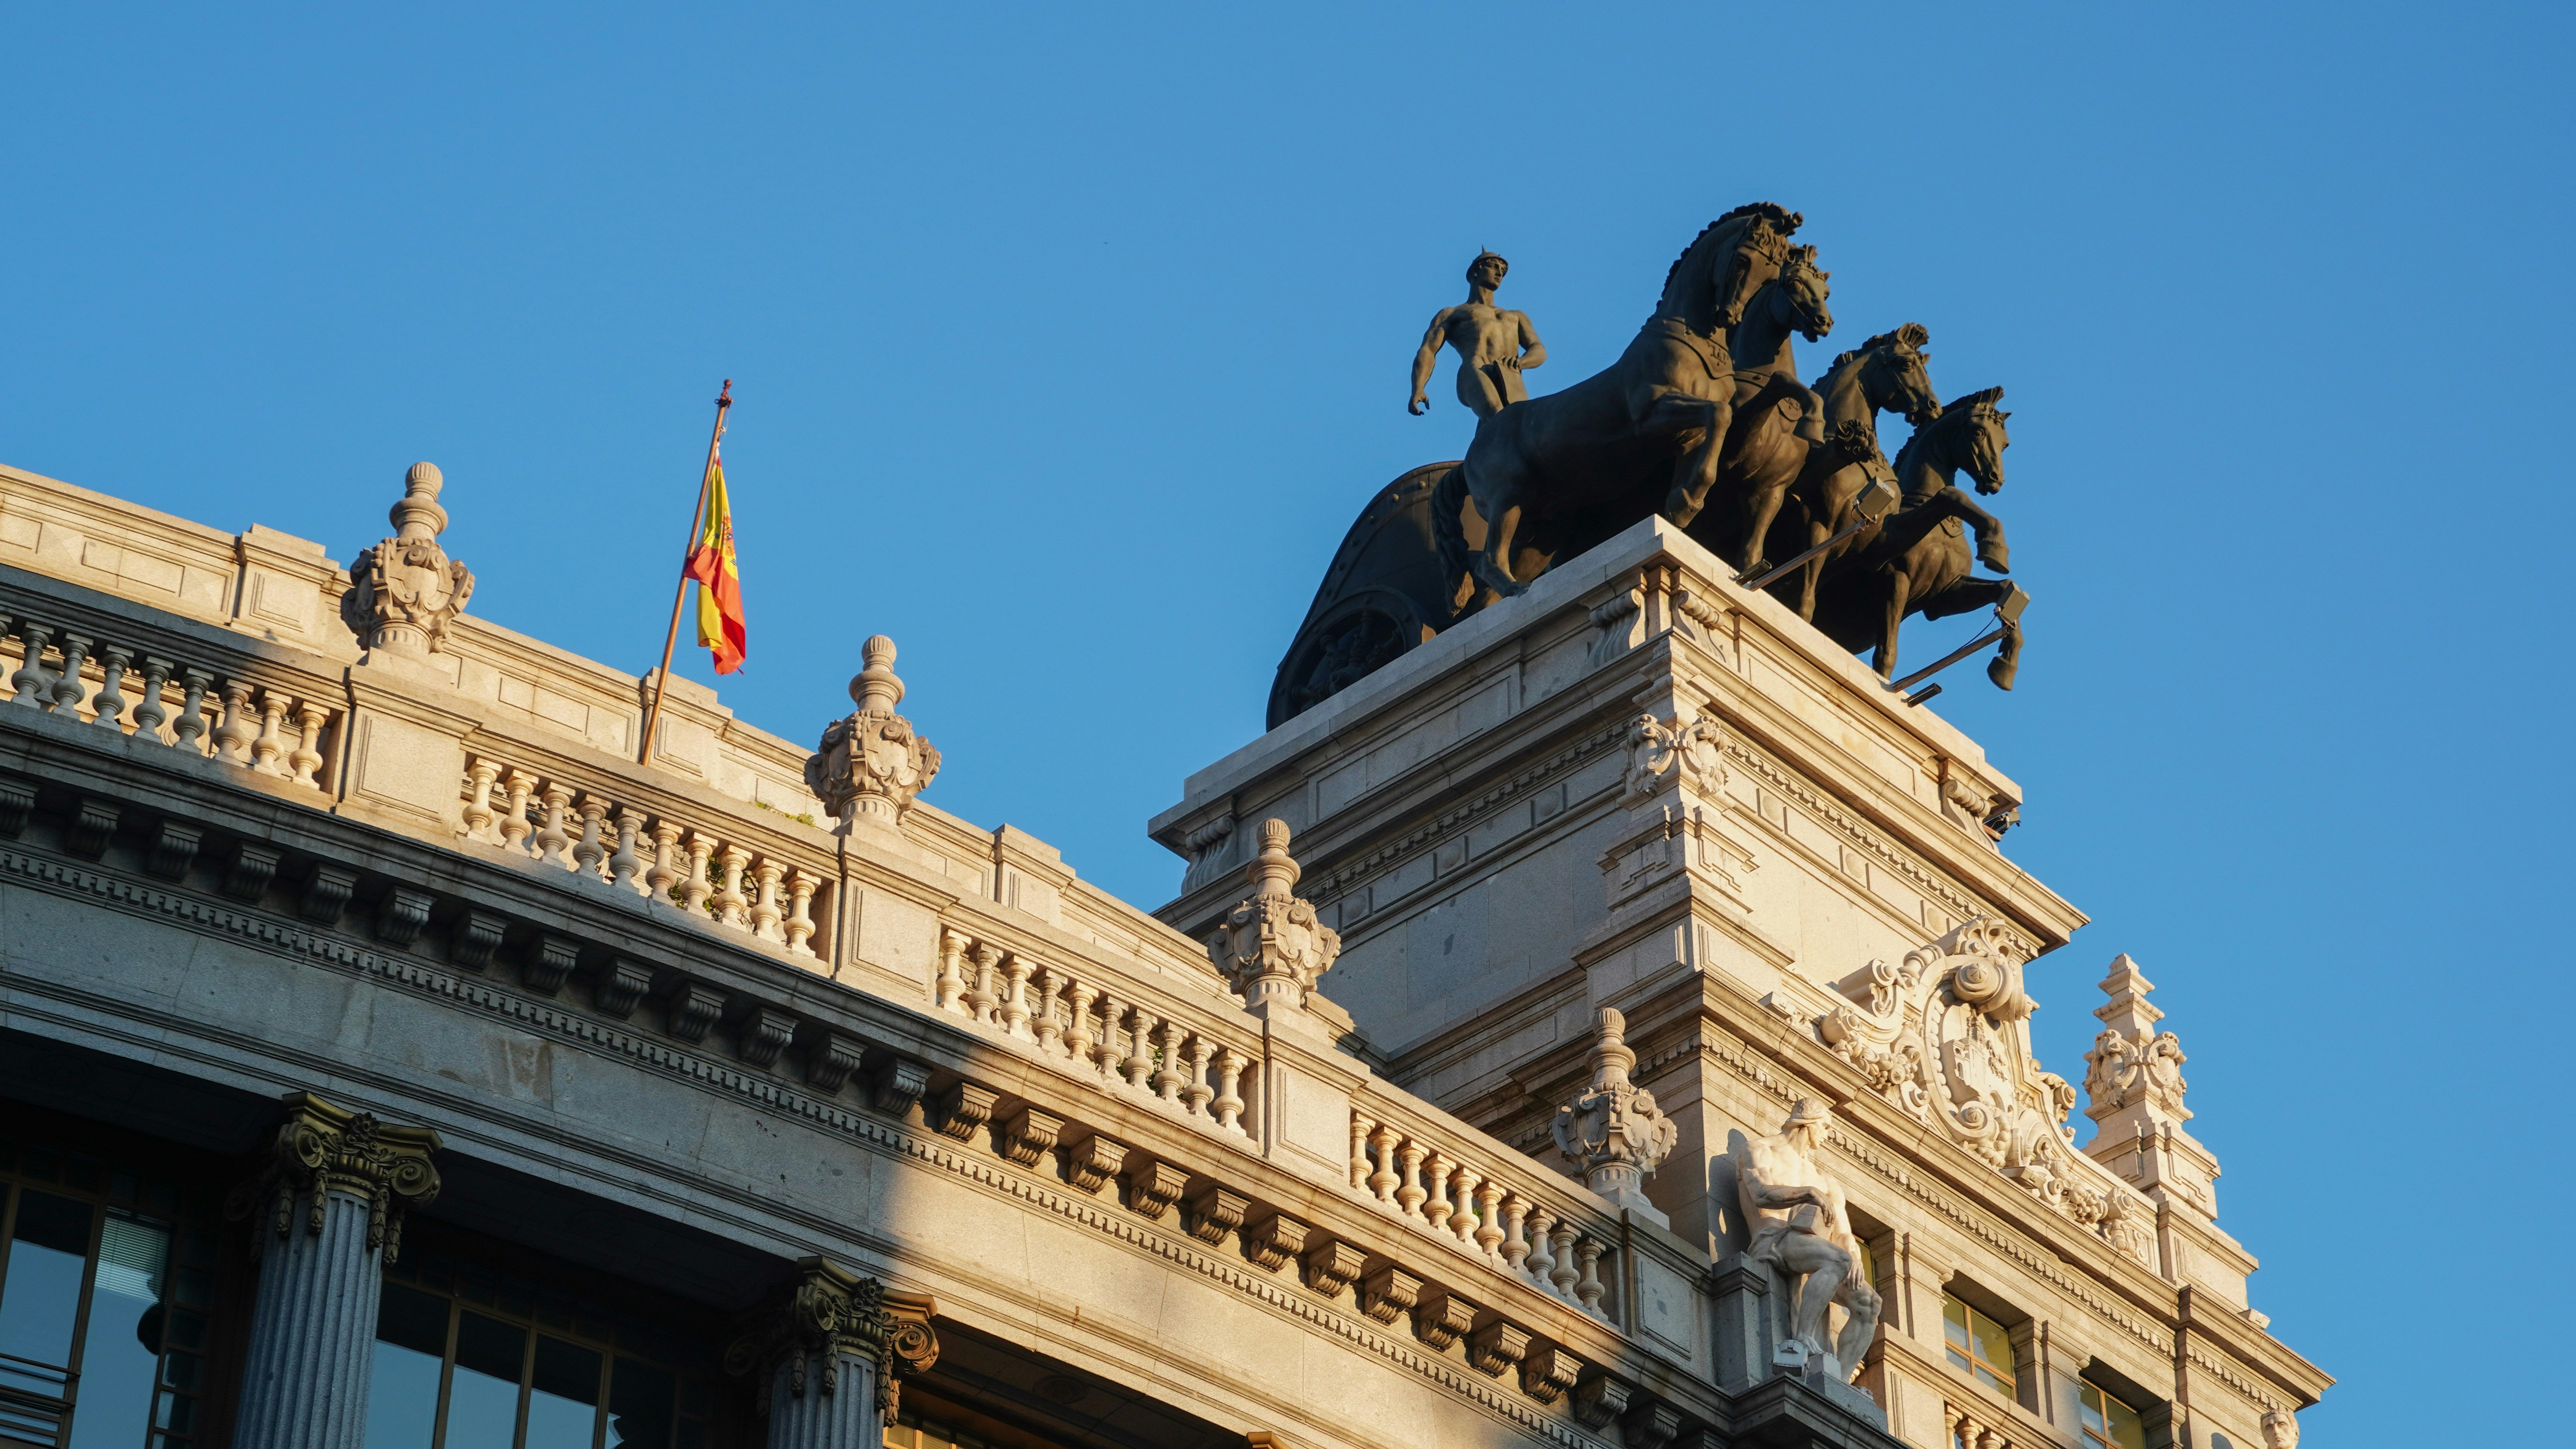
(1996, 557)
(1679, 508)
(2001, 671)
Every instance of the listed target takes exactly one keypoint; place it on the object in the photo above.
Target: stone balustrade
(590, 829)
(1485, 1201)
(1976, 1429)
(1100, 1024)
(197, 702)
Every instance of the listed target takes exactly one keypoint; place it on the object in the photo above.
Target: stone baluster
(514, 814)
(1049, 1030)
(307, 757)
(1383, 1181)
(733, 908)
(1107, 1055)
(1140, 1049)
(1408, 1198)
(1489, 1225)
(819, 1355)
(980, 996)
(33, 687)
(110, 704)
(666, 849)
(592, 848)
(192, 709)
(479, 815)
(1015, 999)
(1563, 1274)
(330, 1201)
(1435, 1211)
(1167, 1061)
(765, 914)
(1588, 1285)
(625, 867)
(695, 891)
(1077, 1033)
(1462, 1214)
(1361, 1126)
(801, 886)
(234, 734)
(950, 988)
(553, 841)
(1542, 1257)
(270, 744)
(150, 712)
(1515, 1241)
(1195, 1090)
(68, 689)
(1229, 1094)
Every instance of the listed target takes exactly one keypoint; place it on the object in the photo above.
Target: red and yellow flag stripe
(720, 620)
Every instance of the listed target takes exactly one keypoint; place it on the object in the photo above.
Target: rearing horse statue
(1552, 474)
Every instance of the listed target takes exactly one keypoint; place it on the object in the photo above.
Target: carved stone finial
(322, 1149)
(405, 591)
(2131, 1063)
(1271, 946)
(1612, 1132)
(871, 763)
(826, 1313)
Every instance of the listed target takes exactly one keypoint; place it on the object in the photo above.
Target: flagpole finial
(724, 399)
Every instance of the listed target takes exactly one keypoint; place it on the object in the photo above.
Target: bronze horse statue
(1778, 419)
(1556, 474)
(1888, 373)
(1917, 559)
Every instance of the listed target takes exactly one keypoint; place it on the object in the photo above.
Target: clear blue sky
(1067, 343)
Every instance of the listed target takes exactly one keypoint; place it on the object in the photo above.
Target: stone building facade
(1605, 1025)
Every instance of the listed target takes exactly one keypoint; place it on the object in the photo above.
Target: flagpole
(697, 521)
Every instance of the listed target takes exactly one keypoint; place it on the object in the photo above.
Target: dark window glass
(563, 1395)
(640, 1400)
(40, 1296)
(411, 1349)
(483, 1398)
(121, 1351)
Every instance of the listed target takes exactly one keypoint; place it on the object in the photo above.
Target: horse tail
(1449, 536)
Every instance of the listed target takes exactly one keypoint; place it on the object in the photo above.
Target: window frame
(112, 1186)
(2104, 1437)
(2004, 1378)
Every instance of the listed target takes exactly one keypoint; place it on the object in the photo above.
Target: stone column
(829, 1354)
(330, 1200)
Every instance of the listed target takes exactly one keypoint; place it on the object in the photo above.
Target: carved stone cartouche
(871, 763)
(1271, 946)
(405, 591)
(1612, 1132)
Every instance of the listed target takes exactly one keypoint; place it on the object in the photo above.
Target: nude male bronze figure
(1493, 344)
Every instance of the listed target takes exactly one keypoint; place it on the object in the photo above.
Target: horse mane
(1782, 220)
(1987, 397)
(1911, 334)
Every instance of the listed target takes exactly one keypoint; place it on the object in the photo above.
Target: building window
(1979, 1346)
(469, 1360)
(2107, 1423)
(104, 1290)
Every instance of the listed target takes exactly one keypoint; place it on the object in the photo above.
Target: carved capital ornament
(322, 1149)
(827, 1312)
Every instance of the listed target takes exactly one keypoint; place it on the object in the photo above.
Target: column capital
(323, 1148)
(826, 1311)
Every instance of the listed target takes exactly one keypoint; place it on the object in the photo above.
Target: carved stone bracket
(871, 764)
(1271, 946)
(322, 1149)
(1661, 754)
(826, 1313)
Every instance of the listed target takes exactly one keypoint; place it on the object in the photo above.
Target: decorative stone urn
(1271, 947)
(872, 763)
(406, 590)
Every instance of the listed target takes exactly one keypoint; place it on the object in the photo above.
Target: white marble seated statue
(1802, 1233)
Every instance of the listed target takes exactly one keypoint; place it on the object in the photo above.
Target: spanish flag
(720, 626)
